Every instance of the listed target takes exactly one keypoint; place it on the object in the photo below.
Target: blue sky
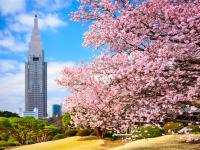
(62, 41)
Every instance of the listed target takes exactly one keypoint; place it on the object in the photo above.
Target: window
(35, 58)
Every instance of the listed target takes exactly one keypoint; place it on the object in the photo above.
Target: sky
(61, 39)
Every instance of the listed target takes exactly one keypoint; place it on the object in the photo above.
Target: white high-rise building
(36, 75)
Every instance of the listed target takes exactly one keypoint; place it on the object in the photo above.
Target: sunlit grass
(168, 142)
(72, 143)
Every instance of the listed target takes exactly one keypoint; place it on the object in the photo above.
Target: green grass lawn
(168, 142)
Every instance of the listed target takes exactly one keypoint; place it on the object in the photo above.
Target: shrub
(5, 143)
(113, 138)
(195, 128)
(4, 137)
(93, 133)
(107, 133)
(172, 127)
(11, 139)
(84, 132)
(147, 131)
(70, 132)
(59, 136)
(198, 133)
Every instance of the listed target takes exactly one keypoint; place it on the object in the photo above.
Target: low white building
(33, 113)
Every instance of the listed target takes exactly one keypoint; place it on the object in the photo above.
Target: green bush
(93, 133)
(113, 138)
(107, 133)
(148, 131)
(172, 127)
(4, 137)
(195, 128)
(11, 139)
(66, 119)
(71, 132)
(5, 143)
(59, 136)
(84, 132)
(30, 142)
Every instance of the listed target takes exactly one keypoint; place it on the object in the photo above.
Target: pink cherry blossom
(149, 68)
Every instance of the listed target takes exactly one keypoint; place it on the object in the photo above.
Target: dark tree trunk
(98, 132)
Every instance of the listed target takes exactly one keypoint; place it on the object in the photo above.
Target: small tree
(21, 128)
(45, 134)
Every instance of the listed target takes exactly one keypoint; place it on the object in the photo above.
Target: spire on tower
(35, 46)
(36, 21)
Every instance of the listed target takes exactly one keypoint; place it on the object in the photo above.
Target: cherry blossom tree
(149, 68)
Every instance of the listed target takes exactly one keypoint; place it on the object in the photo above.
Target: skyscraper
(36, 75)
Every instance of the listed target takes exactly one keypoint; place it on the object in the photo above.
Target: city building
(36, 75)
(20, 112)
(56, 110)
(33, 113)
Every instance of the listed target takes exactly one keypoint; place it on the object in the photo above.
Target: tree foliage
(21, 128)
(150, 66)
(66, 120)
(45, 134)
(8, 114)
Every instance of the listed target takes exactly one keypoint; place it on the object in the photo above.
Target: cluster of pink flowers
(145, 72)
(191, 139)
(185, 130)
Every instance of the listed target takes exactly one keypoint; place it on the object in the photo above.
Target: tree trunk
(98, 132)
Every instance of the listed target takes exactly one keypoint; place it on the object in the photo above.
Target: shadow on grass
(88, 138)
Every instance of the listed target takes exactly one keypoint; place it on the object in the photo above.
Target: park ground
(167, 142)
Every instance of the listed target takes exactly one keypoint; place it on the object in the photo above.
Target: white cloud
(11, 6)
(54, 71)
(24, 22)
(50, 5)
(10, 42)
(12, 87)
(51, 21)
(12, 78)
(7, 65)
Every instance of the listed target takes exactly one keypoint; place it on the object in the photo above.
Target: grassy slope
(72, 143)
(168, 142)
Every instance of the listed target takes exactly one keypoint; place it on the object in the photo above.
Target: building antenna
(36, 12)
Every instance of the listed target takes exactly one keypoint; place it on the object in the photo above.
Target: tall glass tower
(36, 75)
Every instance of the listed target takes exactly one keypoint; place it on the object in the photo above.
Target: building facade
(56, 110)
(36, 75)
(33, 113)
